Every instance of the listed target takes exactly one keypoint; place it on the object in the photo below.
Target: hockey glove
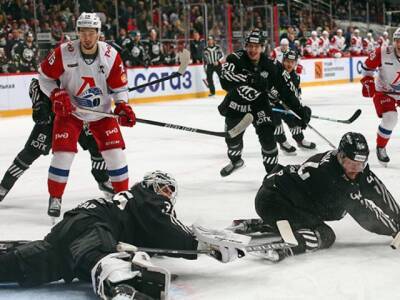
(126, 115)
(305, 115)
(368, 86)
(61, 102)
(41, 105)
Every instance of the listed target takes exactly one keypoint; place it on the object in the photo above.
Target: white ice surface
(360, 265)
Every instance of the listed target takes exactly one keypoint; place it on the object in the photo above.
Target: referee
(212, 62)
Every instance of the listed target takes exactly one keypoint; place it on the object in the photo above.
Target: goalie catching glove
(126, 115)
(368, 86)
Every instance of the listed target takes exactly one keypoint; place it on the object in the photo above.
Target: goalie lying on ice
(83, 244)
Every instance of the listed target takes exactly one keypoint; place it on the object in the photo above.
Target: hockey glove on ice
(368, 86)
(126, 115)
(61, 102)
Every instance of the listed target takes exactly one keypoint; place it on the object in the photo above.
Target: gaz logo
(177, 83)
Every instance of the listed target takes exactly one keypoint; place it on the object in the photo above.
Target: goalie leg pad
(115, 270)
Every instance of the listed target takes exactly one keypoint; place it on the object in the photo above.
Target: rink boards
(14, 96)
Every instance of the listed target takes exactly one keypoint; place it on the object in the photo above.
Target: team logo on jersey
(90, 98)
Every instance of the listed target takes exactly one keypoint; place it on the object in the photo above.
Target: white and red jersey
(384, 60)
(383, 42)
(338, 43)
(324, 45)
(91, 86)
(356, 45)
(277, 54)
(312, 47)
(369, 45)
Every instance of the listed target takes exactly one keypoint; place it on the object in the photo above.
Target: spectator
(134, 53)
(196, 48)
(154, 49)
(25, 55)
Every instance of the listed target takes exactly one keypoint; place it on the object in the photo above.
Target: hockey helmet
(354, 146)
(291, 55)
(396, 34)
(88, 20)
(255, 37)
(161, 183)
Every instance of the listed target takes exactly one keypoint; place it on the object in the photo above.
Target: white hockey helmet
(325, 33)
(396, 34)
(339, 31)
(385, 33)
(314, 33)
(162, 183)
(357, 31)
(88, 20)
(284, 41)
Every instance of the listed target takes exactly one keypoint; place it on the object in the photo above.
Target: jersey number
(304, 175)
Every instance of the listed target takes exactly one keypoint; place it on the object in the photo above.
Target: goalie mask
(161, 183)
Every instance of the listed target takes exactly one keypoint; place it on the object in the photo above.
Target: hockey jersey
(320, 187)
(92, 86)
(384, 60)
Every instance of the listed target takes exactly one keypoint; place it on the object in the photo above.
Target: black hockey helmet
(161, 183)
(354, 146)
(291, 55)
(255, 37)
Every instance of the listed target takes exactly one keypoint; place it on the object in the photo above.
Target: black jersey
(140, 217)
(155, 53)
(321, 187)
(134, 54)
(25, 57)
(237, 78)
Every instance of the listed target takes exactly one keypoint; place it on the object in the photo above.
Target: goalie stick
(350, 120)
(239, 128)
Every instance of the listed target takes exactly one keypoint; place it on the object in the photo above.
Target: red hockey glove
(61, 103)
(368, 89)
(126, 115)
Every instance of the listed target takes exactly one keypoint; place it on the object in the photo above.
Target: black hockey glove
(259, 81)
(305, 115)
(41, 109)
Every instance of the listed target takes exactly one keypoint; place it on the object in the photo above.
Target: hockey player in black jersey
(39, 143)
(249, 76)
(325, 188)
(83, 244)
(25, 54)
(289, 63)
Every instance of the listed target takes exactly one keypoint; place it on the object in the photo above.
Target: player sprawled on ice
(91, 75)
(39, 143)
(385, 90)
(324, 188)
(83, 244)
(289, 62)
(249, 76)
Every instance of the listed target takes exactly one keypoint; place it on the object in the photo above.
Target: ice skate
(3, 192)
(306, 144)
(383, 158)
(54, 209)
(287, 148)
(231, 167)
(274, 255)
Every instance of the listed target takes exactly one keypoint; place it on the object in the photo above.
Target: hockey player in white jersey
(312, 48)
(384, 39)
(356, 43)
(337, 44)
(385, 90)
(91, 75)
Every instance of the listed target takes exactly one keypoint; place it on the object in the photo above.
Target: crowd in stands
(141, 24)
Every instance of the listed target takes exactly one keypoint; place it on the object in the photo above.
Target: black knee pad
(326, 235)
(39, 263)
(39, 141)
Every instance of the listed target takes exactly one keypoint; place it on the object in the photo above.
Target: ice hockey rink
(360, 265)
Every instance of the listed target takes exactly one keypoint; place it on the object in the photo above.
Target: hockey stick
(350, 120)
(308, 125)
(239, 128)
(184, 58)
